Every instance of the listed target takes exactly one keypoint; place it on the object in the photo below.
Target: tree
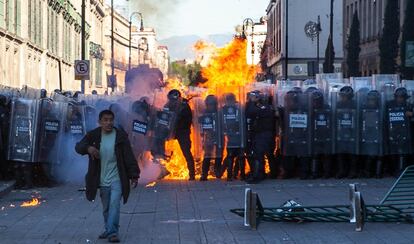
(407, 35)
(388, 44)
(353, 48)
(328, 64)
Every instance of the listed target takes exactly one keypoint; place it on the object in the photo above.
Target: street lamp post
(130, 34)
(112, 48)
(83, 40)
(246, 23)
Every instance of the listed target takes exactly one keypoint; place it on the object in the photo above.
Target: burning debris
(33, 203)
(152, 184)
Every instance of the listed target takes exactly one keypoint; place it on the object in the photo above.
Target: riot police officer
(211, 139)
(346, 133)
(398, 114)
(232, 128)
(321, 136)
(370, 144)
(263, 137)
(182, 128)
(295, 134)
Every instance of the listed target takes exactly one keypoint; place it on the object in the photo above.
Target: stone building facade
(371, 18)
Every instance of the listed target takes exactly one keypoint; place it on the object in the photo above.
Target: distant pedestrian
(112, 167)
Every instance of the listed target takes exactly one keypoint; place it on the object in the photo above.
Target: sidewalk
(193, 212)
(6, 187)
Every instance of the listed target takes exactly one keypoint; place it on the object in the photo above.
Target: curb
(6, 187)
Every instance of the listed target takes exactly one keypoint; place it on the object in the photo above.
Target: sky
(196, 17)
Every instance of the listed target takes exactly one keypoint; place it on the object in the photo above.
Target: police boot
(400, 166)
(327, 168)
(242, 168)
(353, 171)
(217, 168)
(18, 175)
(378, 169)
(236, 169)
(314, 168)
(229, 170)
(255, 176)
(28, 176)
(366, 171)
(341, 169)
(204, 169)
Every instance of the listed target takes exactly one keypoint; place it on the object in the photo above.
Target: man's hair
(106, 112)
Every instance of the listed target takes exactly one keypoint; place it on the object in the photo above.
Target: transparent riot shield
(22, 130)
(232, 118)
(386, 84)
(361, 84)
(370, 118)
(296, 125)
(163, 120)
(138, 128)
(50, 130)
(321, 123)
(282, 87)
(345, 121)
(208, 141)
(398, 127)
(91, 117)
(330, 82)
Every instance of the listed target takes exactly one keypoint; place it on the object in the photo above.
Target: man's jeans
(111, 203)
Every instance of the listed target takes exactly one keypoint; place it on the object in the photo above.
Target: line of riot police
(38, 135)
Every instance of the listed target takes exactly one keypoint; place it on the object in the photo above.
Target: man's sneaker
(114, 239)
(104, 235)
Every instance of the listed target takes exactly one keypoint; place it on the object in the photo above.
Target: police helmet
(311, 89)
(94, 92)
(43, 93)
(230, 98)
(346, 91)
(317, 95)
(174, 94)
(297, 89)
(211, 100)
(373, 94)
(3, 100)
(401, 92)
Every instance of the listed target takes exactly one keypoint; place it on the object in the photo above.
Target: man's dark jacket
(127, 165)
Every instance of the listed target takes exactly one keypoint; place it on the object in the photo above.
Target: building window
(374, 20)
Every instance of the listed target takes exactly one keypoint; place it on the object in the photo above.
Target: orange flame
(151, 184)
(34, 202)
(226, 68)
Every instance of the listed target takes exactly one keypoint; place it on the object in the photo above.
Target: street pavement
(193, 212)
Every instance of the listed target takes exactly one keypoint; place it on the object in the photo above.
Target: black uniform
(263, 140)
(5, 171)
(182, 134)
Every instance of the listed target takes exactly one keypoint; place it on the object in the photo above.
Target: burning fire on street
(33, 203)
(226, 70)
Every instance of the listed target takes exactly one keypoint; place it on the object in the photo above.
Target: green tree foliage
(190, 74)
(353, 48)
(388, 44)
(328, 64)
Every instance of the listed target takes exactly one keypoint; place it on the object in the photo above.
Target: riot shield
(232, 117)
(163, 120)
(139, 127)
(386, 84)
(398, 128)
(321, 124)
(91, 117)
(345, 119)
(50, 130)
(330, 82)
(370, 118)
(207, 141)
(296, 125)
(22, 130)
(361, 84)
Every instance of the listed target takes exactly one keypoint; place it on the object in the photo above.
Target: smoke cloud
(156, 14)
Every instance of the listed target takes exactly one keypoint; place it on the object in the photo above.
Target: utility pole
(112, 48)
(286, 39)
(317, 44)
(331, 34)
(83, 37)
